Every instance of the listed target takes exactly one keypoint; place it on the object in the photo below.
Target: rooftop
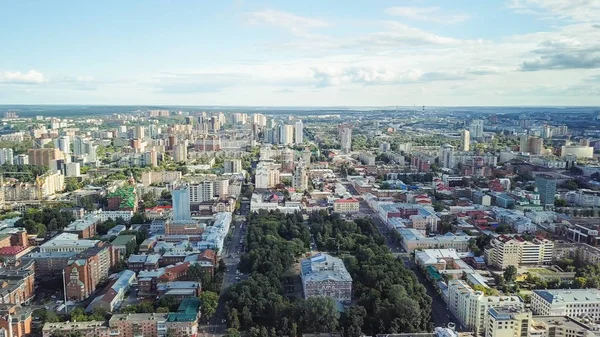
(569, 295)
(122, 240)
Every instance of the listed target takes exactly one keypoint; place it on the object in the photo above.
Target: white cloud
(295, 24)
(428, 14)
(576, 10)
(17, 77)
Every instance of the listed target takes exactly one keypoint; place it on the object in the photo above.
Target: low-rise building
(325, 275)
(141, 262)
(114, 293)
(84, 329)
(121, 242)
(414, 239)
(349, 205)
(15, 321)
(84, 228)
(16, 284)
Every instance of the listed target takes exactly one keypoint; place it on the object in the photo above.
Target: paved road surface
(440, 314)
(216, 326)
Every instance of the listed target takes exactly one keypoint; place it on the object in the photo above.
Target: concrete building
(566, 302)
(83, 329)
(345, 133)
(546, 186)
(535, 145)
(446, 156)
(507, 251)
(266, 176)
(64, 144)
(114, 293)
(232, 166)
(160, 177)
(298, 132)
(465, 140)
(325, 275)
(578, 151)
(476, 128)
(6, 156)
(87, 269)
(286, 134)
(349, 205)
(84, 228)
(471, 307)
(67, 242)
(181, 204)
(180, 152)
(541, 326)
(300, 181)
(44, 157)
(508, 321)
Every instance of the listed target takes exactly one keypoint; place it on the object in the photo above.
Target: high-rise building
(64, 144)
(139, 132)
(446, 156)
(259, 119)
(345, 132)
(546, 186)
(267, 175)
(181, 203)
(21, 159)
(85, 149)
(232, 166)
(286, 134)
(299, 132)
(547, 131)
(202, 191)
(536, 145)
(476, 128)
(306, 155)
(524, 143)
(44, 157)
(300, 180)
(465, 140)
(180, 152)
(6, 156)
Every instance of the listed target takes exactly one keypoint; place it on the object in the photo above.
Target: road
(440, 314)
(230, 256)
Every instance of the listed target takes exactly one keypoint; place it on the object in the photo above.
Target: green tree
(319, 314)
(510, 274)
(234, 321)
(231, 332)
(210, 300)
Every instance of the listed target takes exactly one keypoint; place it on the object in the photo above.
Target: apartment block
(515, 251)
(87, 269)
(566, 302)
(471, 307)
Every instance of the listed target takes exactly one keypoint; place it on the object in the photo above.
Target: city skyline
(273, 53)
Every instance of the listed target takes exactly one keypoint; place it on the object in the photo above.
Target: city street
(440, 314)
(230, 256)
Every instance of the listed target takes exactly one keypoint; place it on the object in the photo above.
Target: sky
(301, 53)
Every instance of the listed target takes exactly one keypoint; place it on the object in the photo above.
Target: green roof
(433, 273)
(123, 240)
(187, 311)
(127, 195)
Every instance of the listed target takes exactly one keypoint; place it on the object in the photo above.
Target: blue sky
(314, 53)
